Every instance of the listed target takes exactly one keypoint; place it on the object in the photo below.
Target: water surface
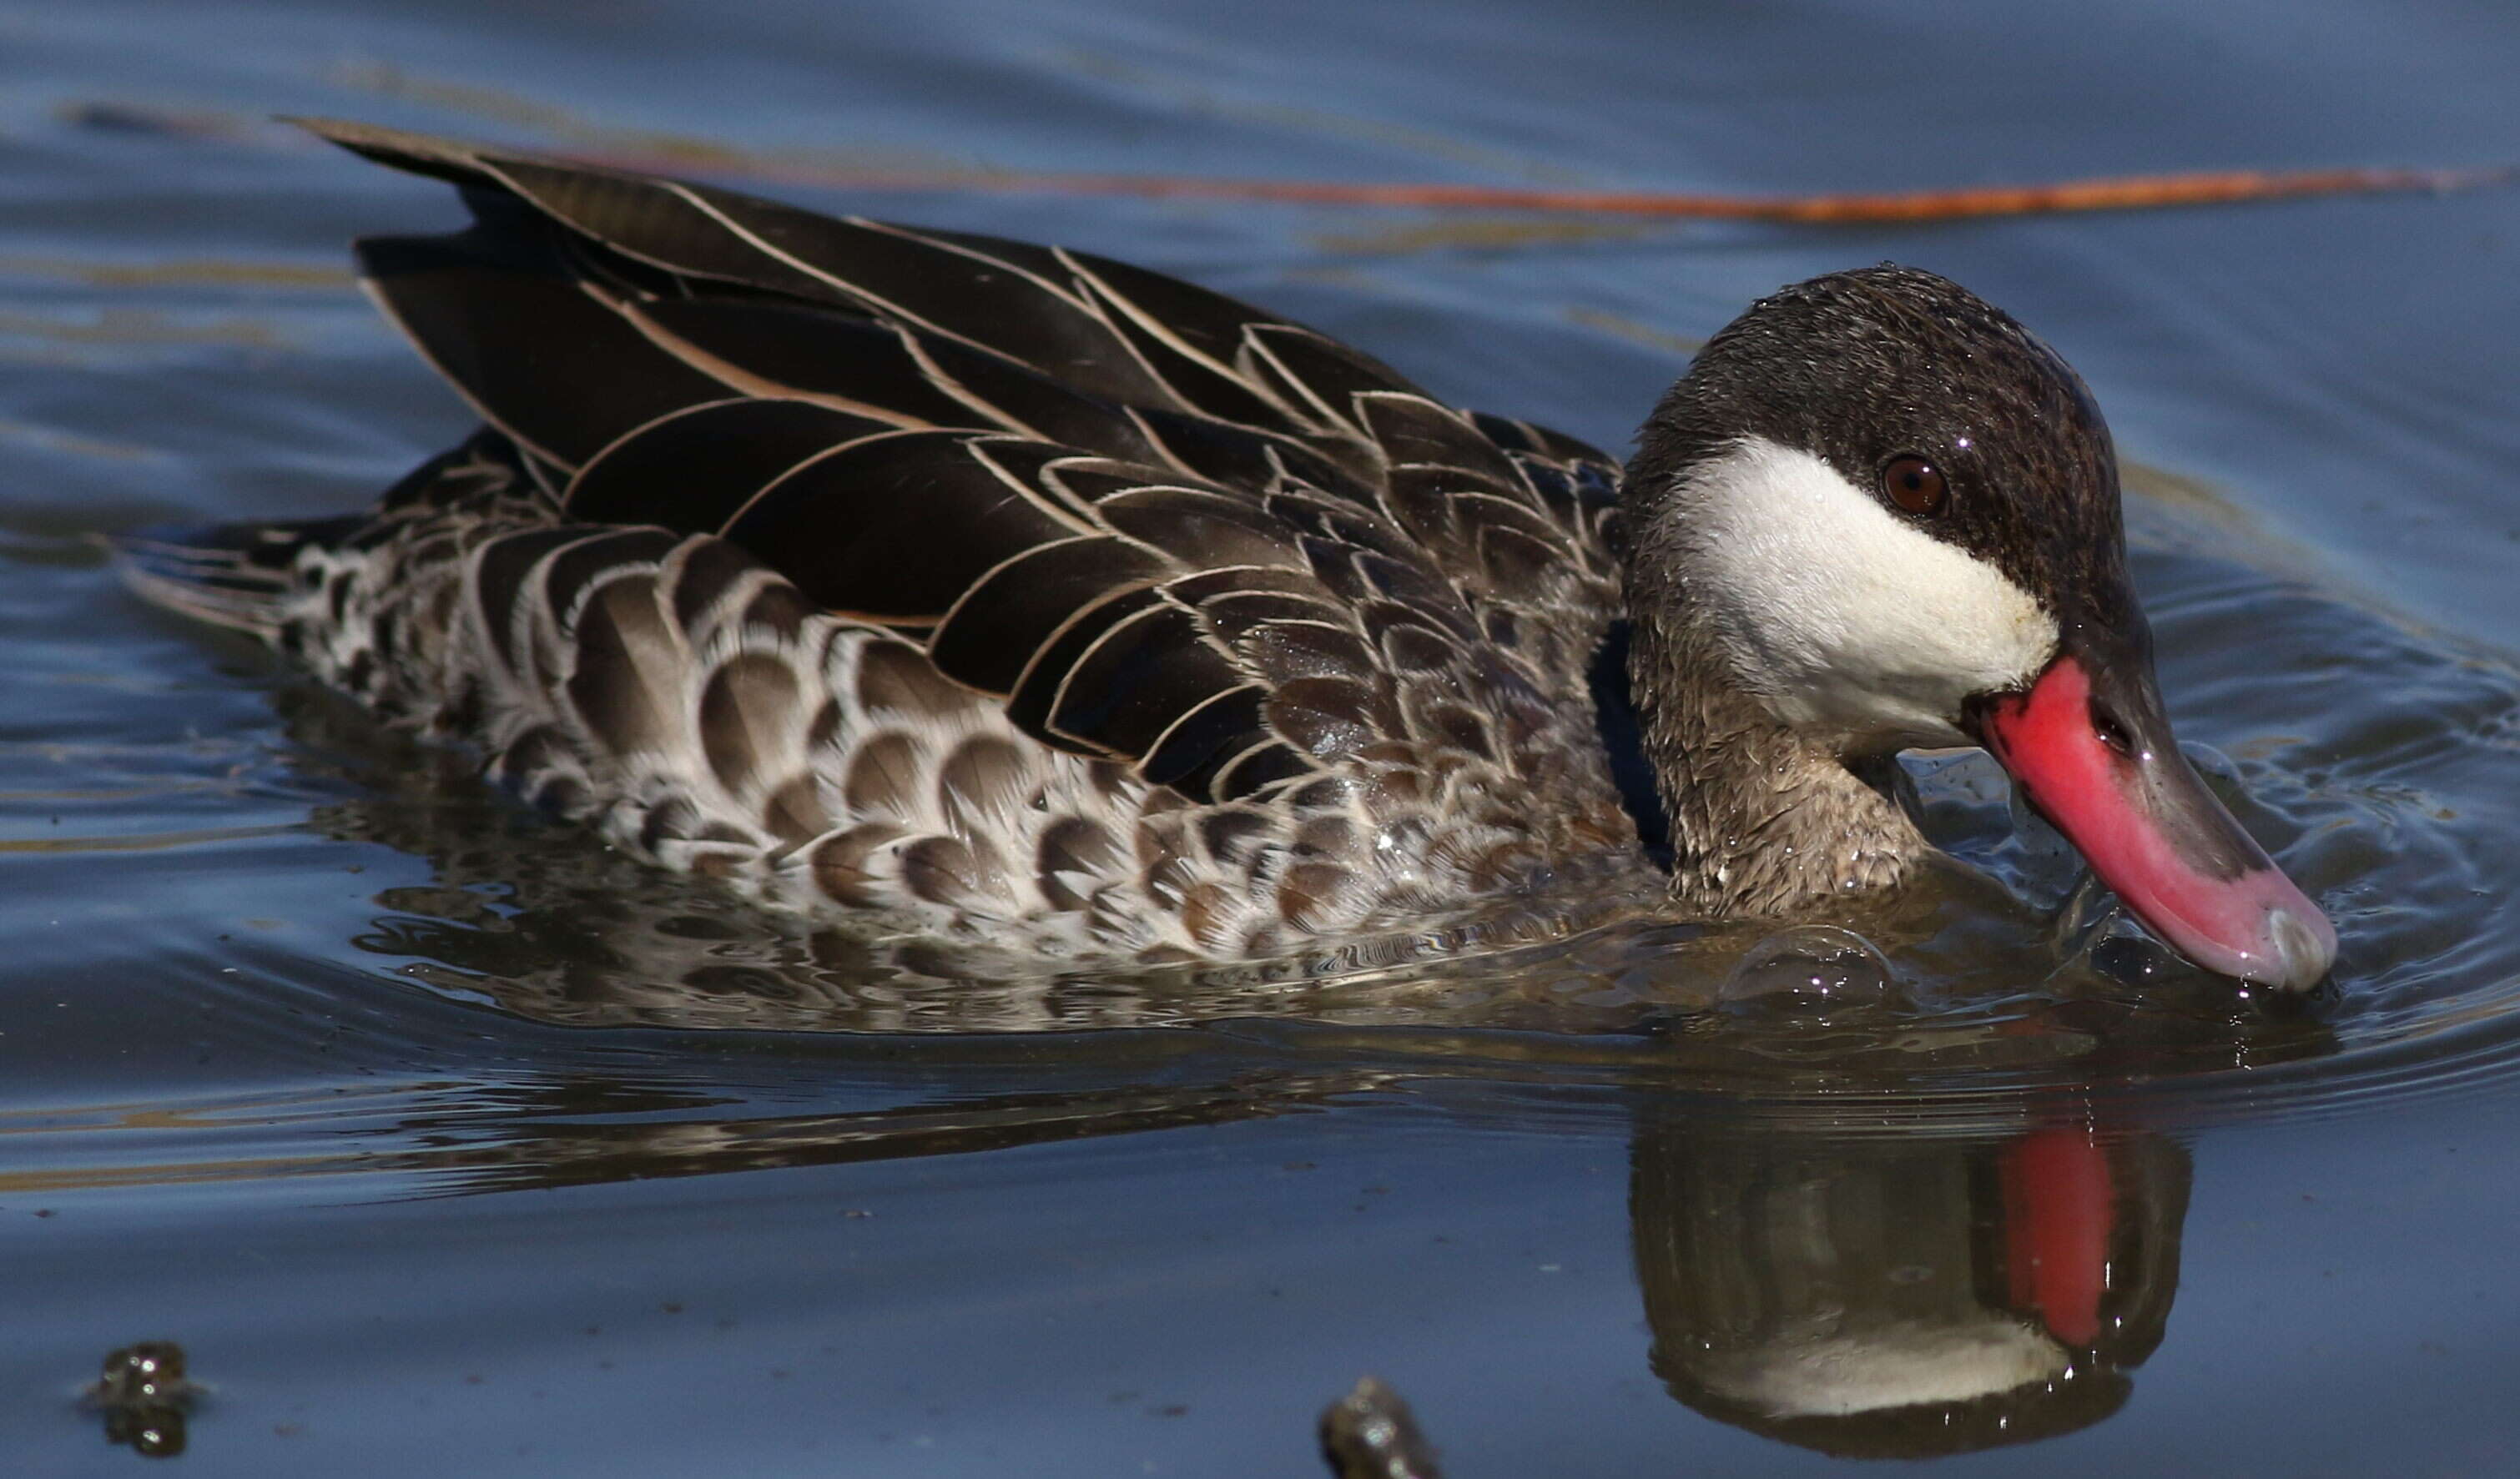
(445, 1141)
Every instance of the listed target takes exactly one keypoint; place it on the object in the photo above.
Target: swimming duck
(1011, 591)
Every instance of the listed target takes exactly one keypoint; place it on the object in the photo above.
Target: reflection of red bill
(2060, 1210)
(2152, 832)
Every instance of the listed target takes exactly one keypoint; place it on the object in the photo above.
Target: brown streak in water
(127, 326)
(1629, 329)
(99, 1177)
(187, 272)
(72, 444)
(666, 153)
(117, 793)
(1476, 234)
(836, 171)
(2121, 193)
(143, 843)
(571, 1153)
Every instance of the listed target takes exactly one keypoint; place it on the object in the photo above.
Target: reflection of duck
(1905, 1297)
(1023, 593)
(1993, 1285)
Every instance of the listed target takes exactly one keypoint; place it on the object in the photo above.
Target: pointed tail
(244, 576)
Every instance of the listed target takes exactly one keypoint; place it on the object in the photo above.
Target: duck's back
(1006, 588)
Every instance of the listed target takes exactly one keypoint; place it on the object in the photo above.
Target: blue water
(445, 1143)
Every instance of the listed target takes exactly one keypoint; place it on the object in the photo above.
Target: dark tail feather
(240, 575)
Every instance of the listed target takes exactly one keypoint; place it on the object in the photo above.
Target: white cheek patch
(1842, 616)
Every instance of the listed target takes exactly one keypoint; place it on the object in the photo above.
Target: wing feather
(539, 356)
(992, 633)
(865, 527)
(1166, 527)
(691, 469)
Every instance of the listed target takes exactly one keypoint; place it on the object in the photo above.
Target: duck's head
(1892, 514)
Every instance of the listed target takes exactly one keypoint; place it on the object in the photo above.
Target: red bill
(2102, 768)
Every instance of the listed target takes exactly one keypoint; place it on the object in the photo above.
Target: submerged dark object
(1370, 1434)
(1013, 591)
(145, 1397)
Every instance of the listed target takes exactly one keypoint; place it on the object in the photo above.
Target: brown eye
(1915, 484)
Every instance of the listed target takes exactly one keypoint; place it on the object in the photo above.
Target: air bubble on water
(2120, 951)
(1809, 969)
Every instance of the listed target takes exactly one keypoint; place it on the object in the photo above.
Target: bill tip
(2303, 949)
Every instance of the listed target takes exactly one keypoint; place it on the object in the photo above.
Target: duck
(980, 588)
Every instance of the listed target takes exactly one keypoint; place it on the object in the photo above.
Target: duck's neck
(1763, 821)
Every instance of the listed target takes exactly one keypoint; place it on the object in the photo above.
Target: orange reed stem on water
(2125, 193)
